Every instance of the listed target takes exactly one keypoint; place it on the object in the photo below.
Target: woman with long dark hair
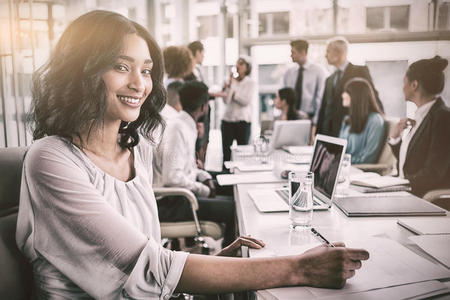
(87, 219)
(285, 101)
(364, 126)
(423, 152)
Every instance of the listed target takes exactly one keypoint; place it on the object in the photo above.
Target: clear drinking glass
(344, 176)
(261, 147)
(301, 199)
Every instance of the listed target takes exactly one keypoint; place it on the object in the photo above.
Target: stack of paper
(427, 225)
(437, 246)
(369, 182)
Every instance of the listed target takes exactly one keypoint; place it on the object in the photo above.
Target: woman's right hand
(400, 126)
(330, 267)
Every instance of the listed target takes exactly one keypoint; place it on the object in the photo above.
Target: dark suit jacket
(331, 111)
(427, 163)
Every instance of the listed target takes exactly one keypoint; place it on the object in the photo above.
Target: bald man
(331, 111)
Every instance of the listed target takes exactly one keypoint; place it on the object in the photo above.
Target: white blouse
(174, 163)
(239, 100)
(89, 234)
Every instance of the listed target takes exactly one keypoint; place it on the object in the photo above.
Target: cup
(344, 176)
(261, 148)
(301, 199)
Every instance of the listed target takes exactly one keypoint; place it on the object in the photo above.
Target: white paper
(380, 181)
(253, 177)
(430, 225)
(390, 264)
(407, 291)
(437, 246)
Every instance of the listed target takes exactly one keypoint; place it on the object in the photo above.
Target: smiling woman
(88, 219)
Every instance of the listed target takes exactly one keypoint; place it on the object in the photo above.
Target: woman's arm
(320, 267)
(243, 93)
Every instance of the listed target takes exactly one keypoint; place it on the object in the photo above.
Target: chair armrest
(176, 191)
(437, 194)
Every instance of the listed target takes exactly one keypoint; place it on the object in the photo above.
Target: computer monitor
(325, 164)
(290, 133)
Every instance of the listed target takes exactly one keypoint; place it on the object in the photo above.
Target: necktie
(337, 78)
(298, 87)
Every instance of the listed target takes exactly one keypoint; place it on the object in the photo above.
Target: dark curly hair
(69, 94)
(178, 61)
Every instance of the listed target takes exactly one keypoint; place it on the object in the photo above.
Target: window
(273, 23)
(443, 19)
(389, 18)
(207, 26)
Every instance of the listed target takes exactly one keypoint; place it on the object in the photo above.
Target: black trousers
(234, 130)
(220, 209)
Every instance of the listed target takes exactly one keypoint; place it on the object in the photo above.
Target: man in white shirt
(176, 155)
(308, 81)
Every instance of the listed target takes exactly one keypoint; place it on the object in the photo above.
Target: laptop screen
(325, 166)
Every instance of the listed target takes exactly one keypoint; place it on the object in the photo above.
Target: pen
(326, 242)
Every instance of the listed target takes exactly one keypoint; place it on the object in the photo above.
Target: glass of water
(344, 176)
(261, 147)
(301, 199)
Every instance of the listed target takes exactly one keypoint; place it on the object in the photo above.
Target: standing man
(198, 53)
(331, 111)
(308, 81)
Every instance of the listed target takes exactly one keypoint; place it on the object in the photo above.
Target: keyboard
(284, 194)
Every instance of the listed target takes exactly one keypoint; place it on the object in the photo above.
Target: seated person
(285, 101)
(364, 126)
(173, 105)
(87, 218)
(422, 144)
(176, 155)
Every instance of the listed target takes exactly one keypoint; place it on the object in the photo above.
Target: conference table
(273, 228)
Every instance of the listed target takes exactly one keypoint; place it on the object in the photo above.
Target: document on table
(253, 177)
(245, 166)
(437, 246)
(433, 225)
(390, 264)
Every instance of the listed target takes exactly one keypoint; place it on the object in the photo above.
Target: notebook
(387, 206)
(325, 164)
(426, 225)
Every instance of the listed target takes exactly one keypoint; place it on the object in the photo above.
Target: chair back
(16, 278)
(386, 156)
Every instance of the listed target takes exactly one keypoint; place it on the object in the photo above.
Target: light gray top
(88, 233)
(313, 85)
(239, 99)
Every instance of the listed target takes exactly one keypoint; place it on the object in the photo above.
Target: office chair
(16, 278)
(185, 229)
(439, 197)
(386, 160)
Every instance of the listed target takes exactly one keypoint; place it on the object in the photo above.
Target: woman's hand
(248, 241)
(330, 267)
(400, 126)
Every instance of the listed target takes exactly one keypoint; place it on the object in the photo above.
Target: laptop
(290, 133)
(325, 164)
